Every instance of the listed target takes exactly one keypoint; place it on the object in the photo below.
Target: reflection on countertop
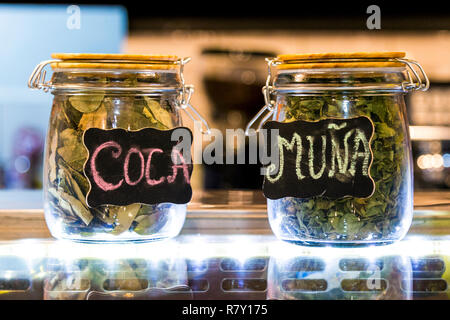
(224, 267)
(226, 251)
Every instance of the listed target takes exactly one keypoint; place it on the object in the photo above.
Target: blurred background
(228, 44)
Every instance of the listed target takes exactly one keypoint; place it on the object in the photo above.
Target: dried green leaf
(52, 158)
(78, 208)
(86, 103)
(145, 223)
(158, 113)
(96, 119)
(124, 217)
(79, 178)
(73, 150)
(353, 218)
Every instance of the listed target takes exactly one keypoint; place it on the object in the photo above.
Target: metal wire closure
(37, 78)
(269, 104)
(411, 85)
(416, 82)
(186, 93)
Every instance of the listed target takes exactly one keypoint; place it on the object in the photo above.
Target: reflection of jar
(338, 274)
(136, 271)
(345, 178)
(130, 92)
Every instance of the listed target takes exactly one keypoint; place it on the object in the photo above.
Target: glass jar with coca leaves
(117, 159)
(339, 133)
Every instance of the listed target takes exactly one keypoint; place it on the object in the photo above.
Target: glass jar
(316, 88)
(106, 91)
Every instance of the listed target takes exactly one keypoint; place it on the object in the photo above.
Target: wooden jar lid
(113, 61)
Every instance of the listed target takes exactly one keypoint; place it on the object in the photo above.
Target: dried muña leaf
(352, 218)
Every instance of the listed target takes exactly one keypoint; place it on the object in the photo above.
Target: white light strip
(429, 133)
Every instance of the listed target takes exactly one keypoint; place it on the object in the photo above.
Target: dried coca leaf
(78, 208)
(52, 158)
(97, 119)
(159, 113)
(67, 184)
(86, 103)
(124, 217)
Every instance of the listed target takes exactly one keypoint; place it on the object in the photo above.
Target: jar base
(114, 239)
(340, 244)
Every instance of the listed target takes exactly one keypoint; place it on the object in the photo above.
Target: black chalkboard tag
(144, 166)
(329, 158)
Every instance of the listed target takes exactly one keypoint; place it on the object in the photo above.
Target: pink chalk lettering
(127, 164)
(106, 186)
(152, 182)
(176, 153)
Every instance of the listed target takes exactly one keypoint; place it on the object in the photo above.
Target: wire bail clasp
(37, 77)
(269, 104)
(185, 98)
(415, 83)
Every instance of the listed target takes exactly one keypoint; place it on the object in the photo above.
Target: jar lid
(339, 60)
(113, 61)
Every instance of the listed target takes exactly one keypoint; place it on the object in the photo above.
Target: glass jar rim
(411, 75)
(390, 79)
(149, 66)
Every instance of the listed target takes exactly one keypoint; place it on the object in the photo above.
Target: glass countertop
(226, 251)
(224, 267)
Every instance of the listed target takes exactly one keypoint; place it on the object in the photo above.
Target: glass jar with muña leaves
(341, 171)
(117, 159)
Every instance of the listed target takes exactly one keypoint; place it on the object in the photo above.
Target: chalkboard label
(143, 166)
(329, 158)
